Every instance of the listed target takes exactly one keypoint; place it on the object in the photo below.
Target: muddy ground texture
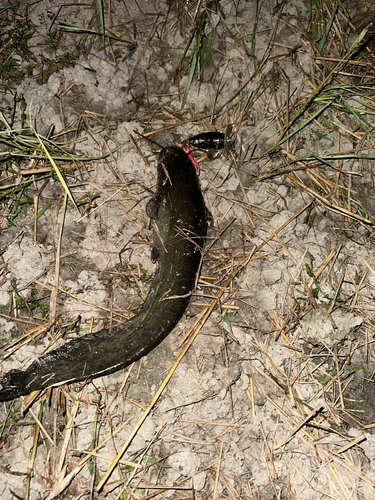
(275, 396)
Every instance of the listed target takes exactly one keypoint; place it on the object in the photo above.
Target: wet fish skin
(179, 213)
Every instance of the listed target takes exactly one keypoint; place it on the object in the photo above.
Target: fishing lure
(213, 140)
(208, 140)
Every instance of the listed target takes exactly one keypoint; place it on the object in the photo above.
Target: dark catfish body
(179, 214)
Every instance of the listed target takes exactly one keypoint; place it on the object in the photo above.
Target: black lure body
(208, 140)
(213, 140)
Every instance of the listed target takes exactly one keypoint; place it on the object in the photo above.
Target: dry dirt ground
(275, 397)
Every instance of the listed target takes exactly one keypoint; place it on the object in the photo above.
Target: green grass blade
(328, 28)
(2, 118)
(323, 159)
(183, 56)
(80, 29)
(38, 215)
(317, 91)
(101, 20)
(361, 121)
(205, 52)
(55, 167)
(255, 28)
(190, 78)
(303, 125)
